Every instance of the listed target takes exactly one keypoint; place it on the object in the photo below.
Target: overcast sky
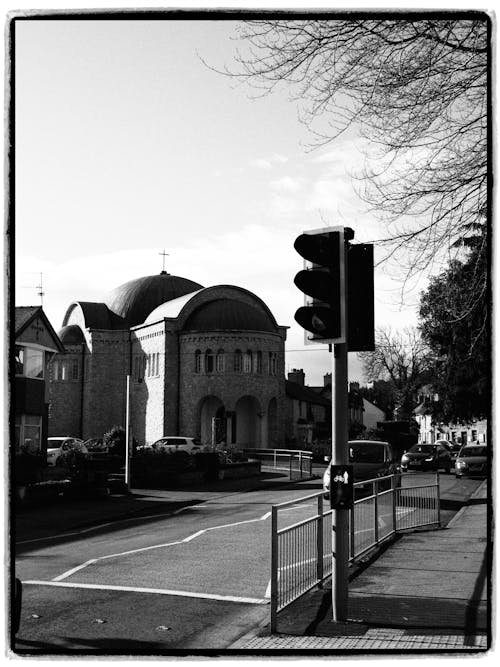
(127, 144)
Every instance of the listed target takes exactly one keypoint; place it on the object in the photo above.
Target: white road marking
(159, 591)
(67, 574)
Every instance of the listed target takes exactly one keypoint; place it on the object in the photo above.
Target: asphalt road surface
(190, 579)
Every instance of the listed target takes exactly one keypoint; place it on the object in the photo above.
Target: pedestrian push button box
(341, 487)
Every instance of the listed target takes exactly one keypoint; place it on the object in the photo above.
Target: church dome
(71, 335)
(226, 313)
(136, 299)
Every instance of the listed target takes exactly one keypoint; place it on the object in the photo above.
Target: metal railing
(301, 554)
(297, 463)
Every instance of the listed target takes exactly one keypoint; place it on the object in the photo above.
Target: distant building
(430, 431)
(371, 415)
(36, 343)
(308, 414)
(203, 362)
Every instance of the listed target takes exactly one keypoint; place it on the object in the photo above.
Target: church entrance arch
(213, 423)
(248, 422)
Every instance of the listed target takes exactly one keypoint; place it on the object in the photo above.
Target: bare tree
(416, 89)
(404, 360)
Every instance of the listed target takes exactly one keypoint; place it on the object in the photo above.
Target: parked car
(472, 460)
(57, 446)
(97, 449)
(452, 447)
(427, 457)
(175, 443)
(369, 458)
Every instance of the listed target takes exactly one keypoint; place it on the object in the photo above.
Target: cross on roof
(164, 254)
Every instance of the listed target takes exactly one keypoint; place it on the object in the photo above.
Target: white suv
(176, 443)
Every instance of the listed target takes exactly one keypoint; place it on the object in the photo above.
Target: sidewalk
(427, 591)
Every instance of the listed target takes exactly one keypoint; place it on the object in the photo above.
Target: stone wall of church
(150, 392)
(204, 375)
(65, 392)
(106, 370)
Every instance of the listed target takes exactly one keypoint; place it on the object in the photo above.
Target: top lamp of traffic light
(321, 249)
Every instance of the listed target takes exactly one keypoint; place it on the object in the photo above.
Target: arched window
(220, 361)
(238, 361)
(258, 362)
(247, 362)
(272, 363)
(197, 361)
(209, 361)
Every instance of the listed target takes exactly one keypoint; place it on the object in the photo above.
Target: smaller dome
(71, 335)
(228, 314)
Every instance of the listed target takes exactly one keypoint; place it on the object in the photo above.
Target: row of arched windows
(239, 361)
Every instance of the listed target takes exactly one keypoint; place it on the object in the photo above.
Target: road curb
(461, 511)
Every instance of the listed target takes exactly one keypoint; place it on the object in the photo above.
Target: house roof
(24, 316)
(300, 393)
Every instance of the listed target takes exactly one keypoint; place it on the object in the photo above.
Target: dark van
(370, 459)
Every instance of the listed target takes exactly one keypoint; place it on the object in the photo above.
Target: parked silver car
(472, 460)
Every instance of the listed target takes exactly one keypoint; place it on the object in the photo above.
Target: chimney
(298, 376)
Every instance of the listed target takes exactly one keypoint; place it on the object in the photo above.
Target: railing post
(274, 458)
(438, 493)
(375, 485)
(319, 541)
(274, 569)
(394, 500)
(352, 541)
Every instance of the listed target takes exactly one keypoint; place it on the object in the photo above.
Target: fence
(301, 555)
(297, 463)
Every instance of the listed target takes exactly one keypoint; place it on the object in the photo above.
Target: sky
(128, 145)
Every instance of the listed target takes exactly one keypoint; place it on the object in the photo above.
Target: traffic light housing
(336, 272)
(322, 282)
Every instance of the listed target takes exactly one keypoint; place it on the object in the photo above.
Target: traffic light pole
(340, 455)
(340, 517)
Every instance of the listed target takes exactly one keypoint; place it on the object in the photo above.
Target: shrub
(115, 440)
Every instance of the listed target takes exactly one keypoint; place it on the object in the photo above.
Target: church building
(201, 362)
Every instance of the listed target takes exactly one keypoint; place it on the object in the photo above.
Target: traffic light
(321, 281)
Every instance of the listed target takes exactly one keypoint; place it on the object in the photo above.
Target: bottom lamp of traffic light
(320, 320)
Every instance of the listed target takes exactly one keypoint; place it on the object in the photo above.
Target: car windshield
(423, 449)
(473, 451)
(366, 453)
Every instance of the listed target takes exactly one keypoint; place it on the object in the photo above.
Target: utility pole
(128, 443)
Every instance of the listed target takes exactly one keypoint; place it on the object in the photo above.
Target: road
(191, 578)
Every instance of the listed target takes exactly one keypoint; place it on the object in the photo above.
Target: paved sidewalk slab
(370, 642)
